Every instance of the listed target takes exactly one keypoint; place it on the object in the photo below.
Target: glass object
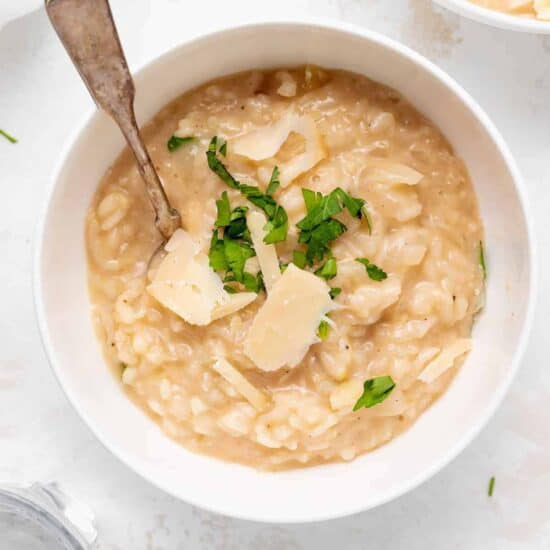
(42, 517)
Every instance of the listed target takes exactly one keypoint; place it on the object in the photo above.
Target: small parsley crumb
(9, 137)
(375, 390)
(491, 488)
(335, 291)
(299, 259)
(482, 260)
(323, 330)
(328, 270)
(373, 271)
(274, 182)
(223, 148)
(175, 142)
(230, 289)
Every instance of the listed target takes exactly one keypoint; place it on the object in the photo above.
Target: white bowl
(496, 18)
(326, 491)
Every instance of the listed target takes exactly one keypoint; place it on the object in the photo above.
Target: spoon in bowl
(88, 32)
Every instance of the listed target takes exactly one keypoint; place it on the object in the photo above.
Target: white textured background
(41, 437)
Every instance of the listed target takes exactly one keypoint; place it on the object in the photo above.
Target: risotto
(321, 293)
(539, 9)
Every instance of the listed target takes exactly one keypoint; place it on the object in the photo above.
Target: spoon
(87, 30)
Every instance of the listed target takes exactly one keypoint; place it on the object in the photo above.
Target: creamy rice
(539, 9)
(426, 237)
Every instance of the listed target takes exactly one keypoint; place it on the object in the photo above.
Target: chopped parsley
(375, 390)
(482, 260)
(334, 291)
(319, 227)
(328, 270)
(175, 142)
(374, 272)
(491, 487)
(230, 247)
(223, 147)
(224, 211)
(230, 289)
(277, 225)
(323, 330)
(274, 182)
(299, 259)
(10, 138)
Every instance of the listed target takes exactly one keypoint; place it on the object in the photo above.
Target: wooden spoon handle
(87, 30)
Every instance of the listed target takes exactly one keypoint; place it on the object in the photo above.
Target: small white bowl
(322, 492)
(496, 18)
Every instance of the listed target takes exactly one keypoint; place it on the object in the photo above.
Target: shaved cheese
(266, 253)
(265, 142)
(391, 172)
(286, 325)
(233, 303)
(345, 395)
(254, 396)
(445, 360)
(186, 284)
(542, 9)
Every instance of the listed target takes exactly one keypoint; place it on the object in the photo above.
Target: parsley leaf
(299, 259)
(491, 487)
(273, 182)
(175, 142)
(224, 211)
(253, 283)
(328, 270)
(334, 291)
(353, 204)
(230, 289)
(311, 199)
(236, 254)
(482, 260)
(375, 390)
(10, 138)
(277, 227)
(373, 271)
(318, 210)
(216, 254)
(217, 166)
(319, 237)
(237, 228)
(223, 147)
(323, 330)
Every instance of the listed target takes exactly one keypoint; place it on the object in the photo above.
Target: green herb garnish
(223, 147)
(236, 254)
(334, 291)
(373, 271)
(323, 330)
(230, 289)
(375, 390)
(299, 259)
(482, 260)
(175, 142)
(10, 138)
(253, 283)
(319, 227)
(274, 182)
(224, 211)
(328, 270)
(217, 166)
(491, 486)
(277, 225)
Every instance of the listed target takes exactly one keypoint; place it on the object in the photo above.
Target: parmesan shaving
(265, 142)
(186, 284)
(445, 360)
(266, 253)
(391, 172)
(253, 395)
(286, 325)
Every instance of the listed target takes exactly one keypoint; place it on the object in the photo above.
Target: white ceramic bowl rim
(281, 516)
(495, 18)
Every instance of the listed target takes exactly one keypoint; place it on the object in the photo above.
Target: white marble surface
(41, 436)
